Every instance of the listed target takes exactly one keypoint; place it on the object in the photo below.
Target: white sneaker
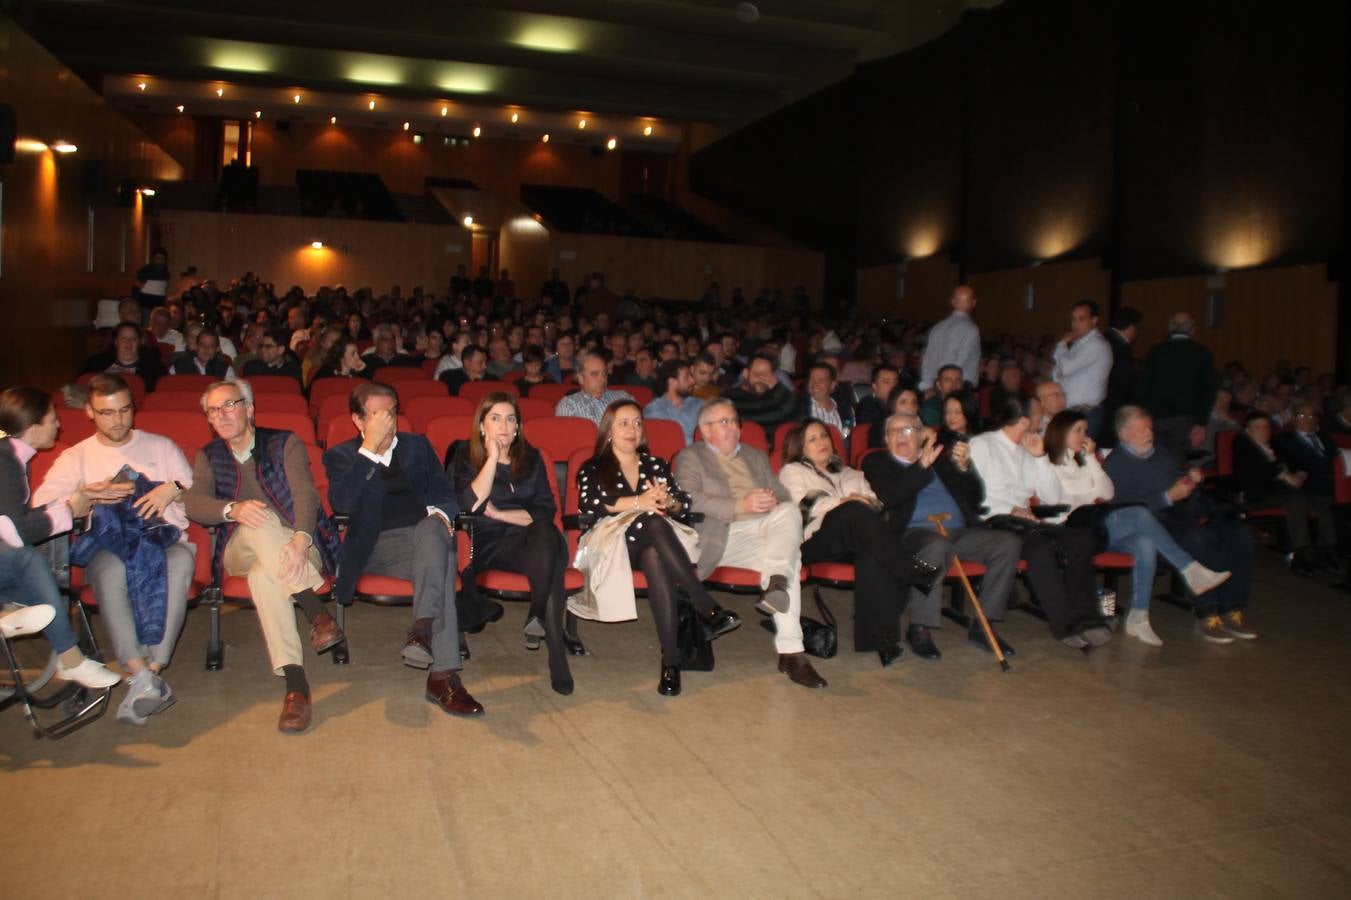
(1200, 579)
(156, 697)
(1138, 627)
(89, 673)
(21, 620)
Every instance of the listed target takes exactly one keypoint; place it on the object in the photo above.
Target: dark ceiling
(715, 61)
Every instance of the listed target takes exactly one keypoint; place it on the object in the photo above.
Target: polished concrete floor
(1188, 771)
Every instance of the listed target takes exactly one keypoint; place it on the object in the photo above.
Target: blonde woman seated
(633, 493)
(842, 522)
(1130, 529)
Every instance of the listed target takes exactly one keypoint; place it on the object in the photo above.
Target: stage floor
(1191, 770)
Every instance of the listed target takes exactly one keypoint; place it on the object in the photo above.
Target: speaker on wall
(8, 132)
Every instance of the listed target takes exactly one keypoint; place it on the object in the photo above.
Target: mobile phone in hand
(125, 475)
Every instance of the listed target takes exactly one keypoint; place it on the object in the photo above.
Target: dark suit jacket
(1120, 384)
(1298, 456)
(148, 365)
(356, 489)
(1259, 476)
(184, 364)
(1178, 379)
(898, 487)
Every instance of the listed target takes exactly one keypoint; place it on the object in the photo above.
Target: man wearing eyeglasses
(915, 479)
(272, 357)
(749, 521)
(87, 475)
(255, 483)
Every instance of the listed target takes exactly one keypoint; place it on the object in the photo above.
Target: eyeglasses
(228, 406)
(108, 415)
(904, 430)
(725, 422)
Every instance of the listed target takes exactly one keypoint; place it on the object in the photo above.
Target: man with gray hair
(749, 521)
(1177, 386)
(595, 396)
(256, 485)
(915, 480)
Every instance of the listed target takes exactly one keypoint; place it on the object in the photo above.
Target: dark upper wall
(1165, 138)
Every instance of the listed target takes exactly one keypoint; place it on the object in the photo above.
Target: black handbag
(696, 650)
(821, 639)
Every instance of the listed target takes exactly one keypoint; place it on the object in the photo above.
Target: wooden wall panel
(47, 291)
(355, 254)
(682, 270)
(1269, 315)
(1058, 286)
(523, 249)
(928, 288)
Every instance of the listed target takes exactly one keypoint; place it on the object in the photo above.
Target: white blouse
(804, 479)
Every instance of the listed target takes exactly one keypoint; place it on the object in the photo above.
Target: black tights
(539, 552)
(655, 549)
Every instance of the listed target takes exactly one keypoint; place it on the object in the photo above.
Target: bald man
(954, 341)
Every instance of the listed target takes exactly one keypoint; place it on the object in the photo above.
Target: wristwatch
(229, 508)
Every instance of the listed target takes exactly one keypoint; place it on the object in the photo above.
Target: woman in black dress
(622, 477)
(503, 481)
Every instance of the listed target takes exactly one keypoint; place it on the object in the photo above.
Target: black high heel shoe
(571, 642)
(720, 622)
(669, 685)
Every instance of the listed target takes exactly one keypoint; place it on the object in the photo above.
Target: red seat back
(323, 388)
(75, 424)
(301, 425)
(637, 391)
(180, 401)
(42, 463)
(443, 431)
(422, 410)
(552, 393)
(858, 442)
(334, 407)
(474, 391)
(1224, 451)
(665, 438)
(560, 436)
(274, 384)
(395, 374)
(267, 401)
(409, 391)
(189, 430)
(342, 428)
(534, 408)
(190, 383)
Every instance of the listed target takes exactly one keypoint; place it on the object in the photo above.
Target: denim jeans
(26, 579)
(1134, 530)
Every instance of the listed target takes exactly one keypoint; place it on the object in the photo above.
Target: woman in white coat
(842, 522)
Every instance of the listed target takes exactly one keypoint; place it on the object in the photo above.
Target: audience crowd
(897, 446)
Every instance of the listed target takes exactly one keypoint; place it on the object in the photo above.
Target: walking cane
(938, 521)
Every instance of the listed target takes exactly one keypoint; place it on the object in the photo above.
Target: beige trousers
(772, 545)
(256, 553)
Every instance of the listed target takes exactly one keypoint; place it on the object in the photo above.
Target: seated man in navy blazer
(402, 510)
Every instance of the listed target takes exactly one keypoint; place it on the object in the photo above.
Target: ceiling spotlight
(582, 123)
(477, 131)
(220, 92)
(146, 191)
(647, 131)
(333, 120)
(445, 110)
(515, 117)
(417, 138)
(468, 221)
(141, 86)
(611, 144)
(545, 139)
(445, 142)
(371, 105)
(317, 245)
(296, 98)
(405, 126)
(257, 113)
(61, 146)
(180, 107)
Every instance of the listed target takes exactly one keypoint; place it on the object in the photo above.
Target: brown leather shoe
(325, 633)
(417, 651)
(447, 691)
(295, 713)
(799, 669)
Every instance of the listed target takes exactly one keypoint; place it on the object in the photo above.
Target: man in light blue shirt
(953, 341)
(675, 402)
(595, 395)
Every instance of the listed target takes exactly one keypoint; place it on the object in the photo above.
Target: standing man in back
(1083, 363)
(954, 341)
(1178, 386)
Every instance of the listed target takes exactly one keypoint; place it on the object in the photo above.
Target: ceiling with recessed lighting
(718, 61)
